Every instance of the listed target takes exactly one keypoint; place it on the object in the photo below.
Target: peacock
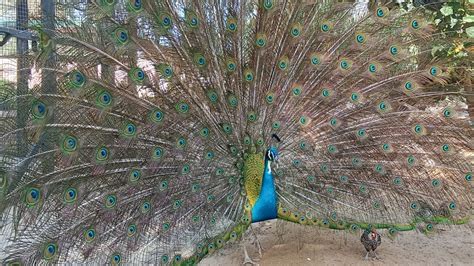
(158, 131)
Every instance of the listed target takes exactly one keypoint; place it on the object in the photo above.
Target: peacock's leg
(247, 259)
(367, 256)
(375, 254)
(259, 246)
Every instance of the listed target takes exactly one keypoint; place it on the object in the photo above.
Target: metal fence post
(23, 74)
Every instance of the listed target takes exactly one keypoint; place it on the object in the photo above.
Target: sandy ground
(286, 243)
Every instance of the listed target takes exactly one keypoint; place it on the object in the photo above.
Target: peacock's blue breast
(265, 207)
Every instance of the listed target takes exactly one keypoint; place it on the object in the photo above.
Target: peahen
(160, 130)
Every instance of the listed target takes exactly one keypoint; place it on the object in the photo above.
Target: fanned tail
(136, 138)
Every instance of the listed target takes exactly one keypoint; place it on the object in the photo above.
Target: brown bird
(371, 240)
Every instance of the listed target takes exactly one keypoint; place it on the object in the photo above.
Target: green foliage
(455, 19)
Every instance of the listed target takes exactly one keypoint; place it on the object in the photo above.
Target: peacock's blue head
(272, 154)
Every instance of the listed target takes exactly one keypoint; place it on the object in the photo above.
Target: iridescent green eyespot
(304, 120)
(252, 117)
(232, 101)
(332, 149)
(296, 90)
(157, 116)
(204, 132)
(386, 147)
(270, 98)
(110, 201)
(397, 181)
(135, 176)
(468, 176)
(436, 182)
(116, 258)
(379, 168)
(325, 92)
(429, 227)
(103, 99)
(38, 109)
(165, 20)
(434, 71)
(355, 97)
(182, 107)
(181, 143)
(191, 18)
(303, 145)
(325, 27)
(69, 144)
(134, 5)
(199, 60)
(231, 24)
(177, 204)
(268, 4)
(360, 38)
(411, 160)
(185, 169)
(89, 235)
(102, 154)
(372, 68)
(345, 64)
(146, 206)
(32, 196)
(75, 79)
(333, 122)
(209, 155)
(315, 59)
(231, 65)
(131, 230)
(163, 185)
(394, 50)
(227, 128)
(381, 12)
(356, 162)
(137, 75)
(383, 107)
(276, 125)
(261, 40)
(121, 36)
(295, 30)
(165, 70)
(50, 251)
(283, 63)
(448, 112)
(452, 205)
(157, 153)
(361, 133)
(445, 148)
(70, 195)
(129, 130)
(248, 75)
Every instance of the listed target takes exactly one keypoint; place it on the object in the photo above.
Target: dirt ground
(285, 243)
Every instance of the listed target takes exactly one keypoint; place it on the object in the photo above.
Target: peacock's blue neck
(265, 207)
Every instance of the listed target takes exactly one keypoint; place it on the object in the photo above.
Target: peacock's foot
(377, 257)
(366, 256)
(247, 259)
